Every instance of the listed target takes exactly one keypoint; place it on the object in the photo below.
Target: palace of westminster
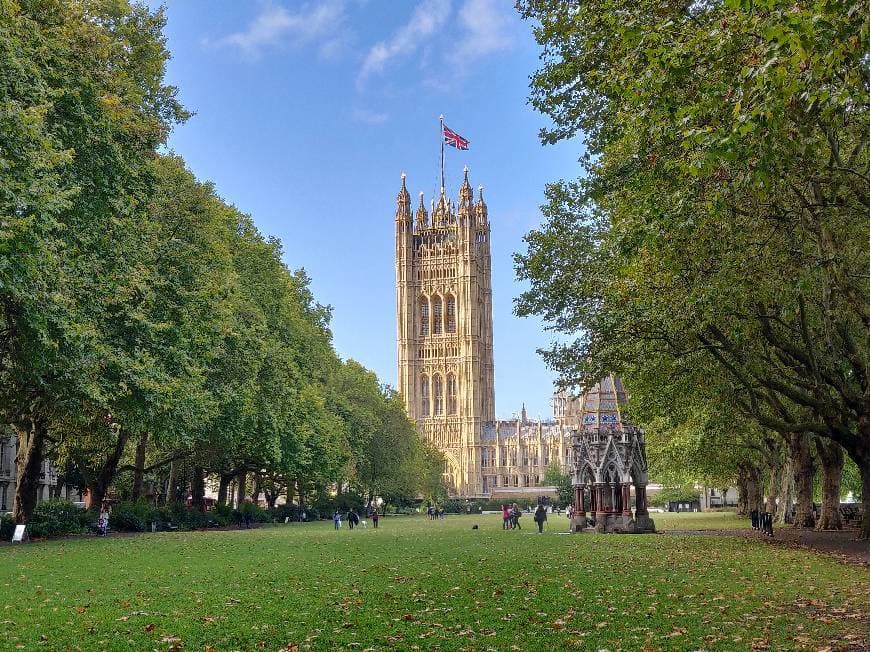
(445, 373)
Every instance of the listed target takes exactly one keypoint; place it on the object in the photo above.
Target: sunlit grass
(699, 521)
(417, 584)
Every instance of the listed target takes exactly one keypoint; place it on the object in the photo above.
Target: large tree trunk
(859, 450)
(223, 489)
(240, 490)
(291, 490)
(255, 491)
(172, 483)
(31, 443)
(865, 499)
(197, 489)
(139, 465)
(104, 475)
(300, 490)
(772, 486)
(831, 458)
(742, 493)
(786, 493)
(804, 471)
(749, 488)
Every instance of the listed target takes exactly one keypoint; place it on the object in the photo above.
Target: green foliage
(683, 494)
(131, 517)
(57, 517)
(459, 506)
(7, 527)
(712, 253)
(553, 476)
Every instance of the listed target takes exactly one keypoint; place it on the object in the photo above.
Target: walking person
(516, 513)
(375, 518)
(540, 517)
(336, 519)
(505, 518)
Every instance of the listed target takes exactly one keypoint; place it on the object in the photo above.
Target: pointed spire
(466, 196)
(441, 213)
(480, 208)
(403, 202)
(422, 215)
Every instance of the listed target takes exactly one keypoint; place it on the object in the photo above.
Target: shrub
(55, 517)
(222, 515)
(131, 517)
(458, 506)
(7, 527)
(674, 494)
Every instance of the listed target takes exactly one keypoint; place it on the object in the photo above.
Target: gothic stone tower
(444, 327)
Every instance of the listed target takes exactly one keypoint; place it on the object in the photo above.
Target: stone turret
(444, 326)
(422, 221)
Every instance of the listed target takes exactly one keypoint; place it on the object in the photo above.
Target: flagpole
(441, 119)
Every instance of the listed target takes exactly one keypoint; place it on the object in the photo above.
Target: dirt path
(843, 544)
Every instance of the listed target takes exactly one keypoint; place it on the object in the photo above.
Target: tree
(553, 476)
(85, 107)
(719, 221)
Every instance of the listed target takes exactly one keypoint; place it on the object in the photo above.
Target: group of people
(353, 519)
(435, 513)
(762, 521)
(511, 514)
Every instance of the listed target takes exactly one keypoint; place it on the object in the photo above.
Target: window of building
(451, 314)
(438, 392)
(424, 316)
(437, 316)
(424, 396)
(451, 394)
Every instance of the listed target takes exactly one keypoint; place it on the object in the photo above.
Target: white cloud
(275, 26)
(445, 44)
(429, 17)
(368, 117)
(485, 31)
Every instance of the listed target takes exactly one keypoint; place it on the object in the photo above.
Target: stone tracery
(609, 459)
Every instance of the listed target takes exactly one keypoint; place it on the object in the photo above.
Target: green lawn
(699, 521)
(416, 584)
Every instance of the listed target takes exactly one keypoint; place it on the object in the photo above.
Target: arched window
(451, 394)
(424, 316)
(451, 314)
(424, 396)
(437, 316)
(438, 391)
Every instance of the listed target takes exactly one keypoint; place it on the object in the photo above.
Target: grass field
(416, 584)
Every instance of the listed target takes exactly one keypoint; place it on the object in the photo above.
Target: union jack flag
(454, 139)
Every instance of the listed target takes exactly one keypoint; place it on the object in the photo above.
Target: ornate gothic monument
(444, 323)
(609, 457)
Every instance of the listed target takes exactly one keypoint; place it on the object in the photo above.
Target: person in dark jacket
(540, 517)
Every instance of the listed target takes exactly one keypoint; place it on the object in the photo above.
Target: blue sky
(306, 115)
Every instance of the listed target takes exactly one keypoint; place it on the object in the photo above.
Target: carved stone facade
(444, 327)
(445, 357)
(609, 460)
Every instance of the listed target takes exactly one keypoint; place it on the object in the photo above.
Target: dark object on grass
(474, 527)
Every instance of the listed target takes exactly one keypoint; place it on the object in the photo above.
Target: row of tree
(146, 326)
(715, 251)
